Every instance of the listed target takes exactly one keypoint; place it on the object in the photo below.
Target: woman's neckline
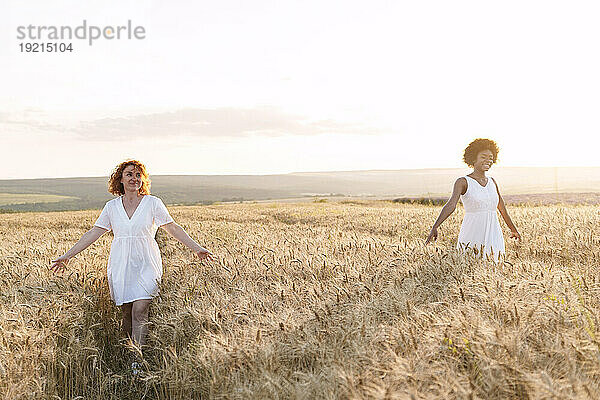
(486, 182)
(136, 208)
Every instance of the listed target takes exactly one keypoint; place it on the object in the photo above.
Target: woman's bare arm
(87, 239)
(460, 187)
(502, 208)
(180, 234)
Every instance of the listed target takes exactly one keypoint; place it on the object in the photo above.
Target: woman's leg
(126, 311)
(139, 319)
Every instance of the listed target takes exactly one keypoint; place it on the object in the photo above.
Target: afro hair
(477, 146)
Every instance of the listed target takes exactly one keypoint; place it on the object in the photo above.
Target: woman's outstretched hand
(204, 254)
(515, 235)
(59, 265)
(432, 235)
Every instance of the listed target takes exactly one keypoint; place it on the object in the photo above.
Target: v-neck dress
(480, 227)
(134, 265)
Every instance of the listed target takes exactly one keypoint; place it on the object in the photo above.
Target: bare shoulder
(495, 184)
(460, 186)
(461, 183)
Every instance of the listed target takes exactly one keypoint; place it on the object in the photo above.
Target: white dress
(134, 266)
(480, 227)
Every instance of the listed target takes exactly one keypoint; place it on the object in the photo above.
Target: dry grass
(314, 300)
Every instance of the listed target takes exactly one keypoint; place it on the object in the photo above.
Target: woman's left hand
(515, 235)
(204, 254)
(59, 265)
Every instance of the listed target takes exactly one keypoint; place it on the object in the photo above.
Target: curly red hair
(114, 182)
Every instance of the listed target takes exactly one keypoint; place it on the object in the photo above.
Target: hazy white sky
(220, 87)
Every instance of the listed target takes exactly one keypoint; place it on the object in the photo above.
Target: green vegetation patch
(26, 198)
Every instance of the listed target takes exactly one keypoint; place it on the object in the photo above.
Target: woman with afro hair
(134, 266)
(480, 229)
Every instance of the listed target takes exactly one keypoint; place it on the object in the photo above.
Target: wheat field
(313, 300)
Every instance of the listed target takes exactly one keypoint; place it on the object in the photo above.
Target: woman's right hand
(59, 264)
(204, 254)
(432, 235)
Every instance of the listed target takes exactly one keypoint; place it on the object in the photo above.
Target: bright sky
(251, 87)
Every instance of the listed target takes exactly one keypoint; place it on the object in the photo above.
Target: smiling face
(484, 160)
(131, 179)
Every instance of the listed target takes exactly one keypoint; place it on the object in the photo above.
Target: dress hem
(131, 301)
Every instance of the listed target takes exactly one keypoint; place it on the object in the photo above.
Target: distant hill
(206, 189)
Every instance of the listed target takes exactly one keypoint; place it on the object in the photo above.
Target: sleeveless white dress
(480, 229)
(134, 266)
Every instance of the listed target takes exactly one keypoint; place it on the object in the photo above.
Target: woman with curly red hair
(134, 266)
(480, 229)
